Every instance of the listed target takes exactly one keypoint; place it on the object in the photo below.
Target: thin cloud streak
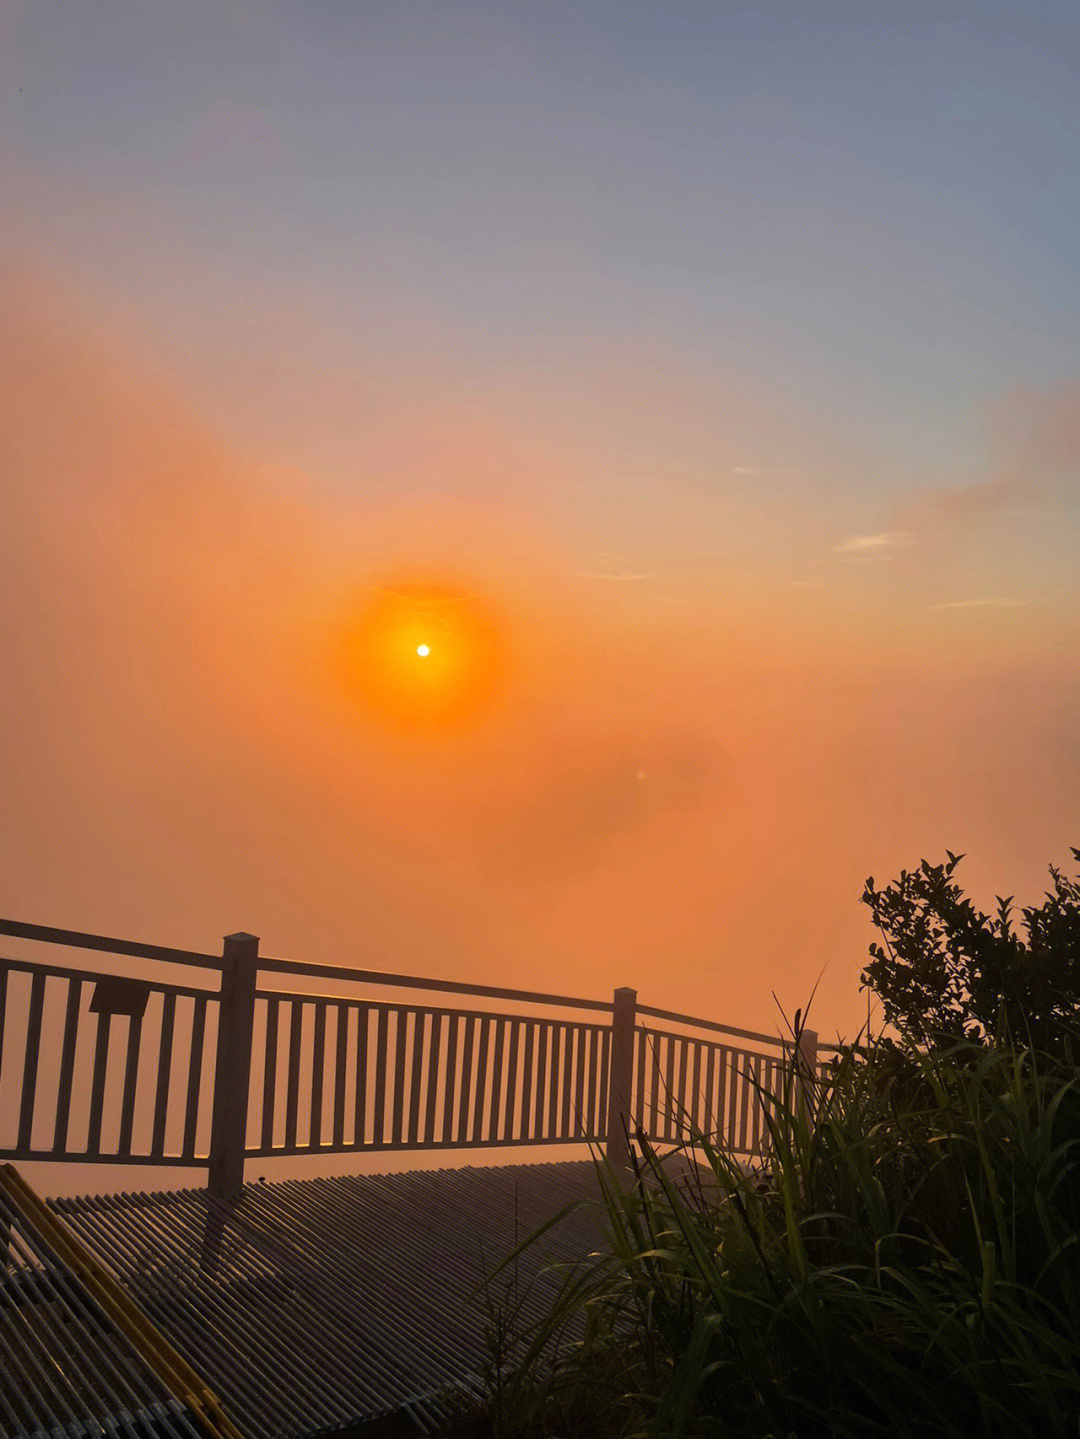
(653, 575)
(873, 545)
(980, 605)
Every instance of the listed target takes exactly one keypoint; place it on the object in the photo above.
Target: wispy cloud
(868, 546)
(621, 576)
(774, 471)
(988, 604)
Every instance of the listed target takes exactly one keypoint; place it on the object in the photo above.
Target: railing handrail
(167, 955)
(413, 981)
(710, 1024)
(77, 940)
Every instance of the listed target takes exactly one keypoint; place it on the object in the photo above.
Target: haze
(725, 357)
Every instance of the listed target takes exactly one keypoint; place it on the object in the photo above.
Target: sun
(425, 657)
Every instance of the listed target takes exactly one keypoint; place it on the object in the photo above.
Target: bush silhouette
(948, 972)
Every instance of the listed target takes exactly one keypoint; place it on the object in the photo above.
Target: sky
(718, 363)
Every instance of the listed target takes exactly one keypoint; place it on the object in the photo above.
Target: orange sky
(684, 797)
(724, 406)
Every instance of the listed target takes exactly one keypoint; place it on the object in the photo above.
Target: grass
(906, 1263)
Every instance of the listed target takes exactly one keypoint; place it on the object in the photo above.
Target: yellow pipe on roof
(147, 1340)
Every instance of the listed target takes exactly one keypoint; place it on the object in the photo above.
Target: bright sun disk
(427, 659)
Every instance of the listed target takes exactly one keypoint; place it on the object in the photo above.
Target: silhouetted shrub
(948, 972)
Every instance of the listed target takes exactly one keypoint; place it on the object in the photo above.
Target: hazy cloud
(1034, 441)
(232, 129)
(1034, 445)
(591, 790)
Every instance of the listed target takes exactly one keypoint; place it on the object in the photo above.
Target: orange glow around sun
(425, 657)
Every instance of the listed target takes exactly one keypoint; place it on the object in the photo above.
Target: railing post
(621, 1076)
(232, 1070)
(805, 1071)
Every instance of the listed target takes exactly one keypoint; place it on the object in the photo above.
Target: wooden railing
(110, 1068)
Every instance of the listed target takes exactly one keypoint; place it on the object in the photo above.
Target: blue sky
(875, 216)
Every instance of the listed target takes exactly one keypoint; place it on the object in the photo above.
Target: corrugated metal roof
(68, 1364)
(317, 1304)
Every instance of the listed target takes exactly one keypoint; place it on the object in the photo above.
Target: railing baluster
(481, 1080)
(723, 1124)
(270, 1068)
(363, 1026)
(641, 1066)
(499, 1026)
(433, 1076)
(419, 1033)
(195, 1064)
(684, 1067)
(592, 1096)
(556, 1078)
(654, 1087)
(744, 1106)
(600, 1120)
(30, 1060)
(707, 1097)
(131, 1079)
(776, 1084)
(397, 1106)
(669, 1122)
(341, 1042)
(527, 1059)
(541, 1079)
(97, 1083)
(447, 1134)
(318, 1064)
(733, 1083)
(768, 1082)
(466, 1080)
(292, 1078)
(164, 1075)
(579, 1082)
(695, 1091)
(380, 1075)
(567, 1050)
(511, 1082)
(67, 1065)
